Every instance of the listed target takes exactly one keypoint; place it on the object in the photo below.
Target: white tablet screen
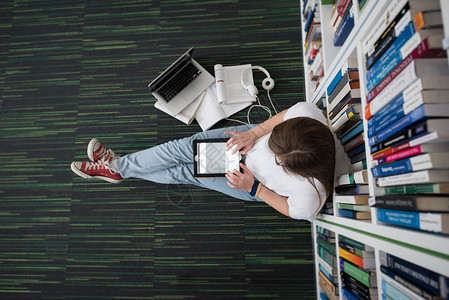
(214, 159)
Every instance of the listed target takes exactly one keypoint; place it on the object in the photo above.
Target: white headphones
(267, 83)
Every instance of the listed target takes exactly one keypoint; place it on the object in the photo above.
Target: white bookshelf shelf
(428, 250)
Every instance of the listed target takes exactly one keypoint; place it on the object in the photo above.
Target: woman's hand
(242, 181)
(242, 140)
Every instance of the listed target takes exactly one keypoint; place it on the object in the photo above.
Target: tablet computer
(212, 160)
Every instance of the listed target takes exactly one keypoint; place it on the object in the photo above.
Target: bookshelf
(421, 248)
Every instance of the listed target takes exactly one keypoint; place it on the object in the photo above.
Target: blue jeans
(172, 163)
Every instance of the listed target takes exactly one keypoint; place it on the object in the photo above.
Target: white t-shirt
(303, 200)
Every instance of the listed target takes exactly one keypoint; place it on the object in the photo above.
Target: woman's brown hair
(305, 147)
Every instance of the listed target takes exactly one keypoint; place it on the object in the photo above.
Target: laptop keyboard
(178, 82)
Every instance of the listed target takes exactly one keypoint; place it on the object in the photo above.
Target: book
(327, 288)
(438, 160)
(423, 73)
(406, 42)
(353, 189)
(345, 27)
(351, 199)
(391, 11)
(187, 115)
(388, 36)
(366, 263)
(353, 207)
(351, 78)
(428, 19)
(348, 99)
(416, 115)
(412, 68)
(326, 256)
(332, 278)
(356, 288)
(342, 110)
(425, 221)
(425, 278)
(356, 251)
(330, 247)
(356, 130)
(411, 202)
(326, 232)
(419, 177)
(327, 267)
(346, 115)
(347, 295)
(432, 188)
(364, 276)
(329, 284)
(355, 244)
(427, 137)
(354, 142)
(352, 88)
(357, 215)
(401, 106)
(395, 290)
(348, 126)
(359, 177)
(412, 151)
(228, 84)
(356, 151)
(408, 284)
(419, 130)
(358, 157)
(349, 65)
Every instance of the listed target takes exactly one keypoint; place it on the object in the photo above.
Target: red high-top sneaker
(100, 170)
(96, 151)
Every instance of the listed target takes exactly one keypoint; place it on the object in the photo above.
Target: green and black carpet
(74, 70)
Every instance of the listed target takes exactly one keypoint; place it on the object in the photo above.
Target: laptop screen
(171, 70)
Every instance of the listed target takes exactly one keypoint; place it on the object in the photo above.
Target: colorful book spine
(349, 65)
(431, 222)
(408, 284)
(388, 36)
(345, 29)
(393, 111)
(414, 116)
(357, 130)
(421, 51)
(420, 131)
(356, 141)
(347, 295)
(390, 58)
(412, 164)
(326, 245)
(412, 151)
(416, 274)
(432, 188)
(358, 261)
(361, 275)
(419, 177)
(425, 138)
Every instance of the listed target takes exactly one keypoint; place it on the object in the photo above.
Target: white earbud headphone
(267, 83)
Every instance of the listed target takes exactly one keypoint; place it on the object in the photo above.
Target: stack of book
(313, 53)
(342, 21)
(327, 263)
(408, 113)
(352, 194)
(357, 269)
(345, 111)
(402, 279)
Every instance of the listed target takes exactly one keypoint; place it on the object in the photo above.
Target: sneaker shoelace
(100, 165)
(106, 154)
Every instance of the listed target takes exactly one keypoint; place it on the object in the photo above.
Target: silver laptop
(181, 83)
